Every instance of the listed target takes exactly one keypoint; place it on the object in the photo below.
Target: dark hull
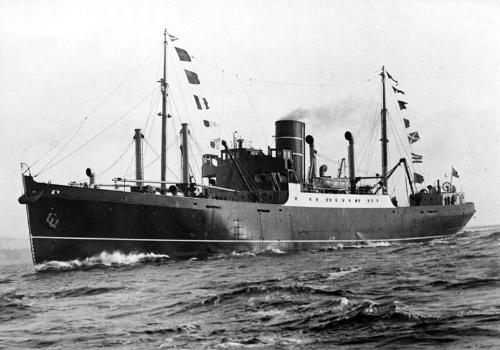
(72, 223)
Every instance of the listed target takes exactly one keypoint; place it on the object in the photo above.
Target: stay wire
(99, 105)
(151, 147)
(151, 163)
(180, 89)
(77, 126)
(199, 149)
(124, 81)
(276, 82)
(129, 165)
(397, 140)
(366, 150)
(192, 132)
(98, 134)
(151, 128)
(253, 107)
(404, 150)
(151, 116)
(177, 141)
(116, 161)
(376, 132)
(62, 149)
(368, 144)
(373, 121)
(196, 166)
(222, 104)
(410, 147)
(371, 143)
(154, 102)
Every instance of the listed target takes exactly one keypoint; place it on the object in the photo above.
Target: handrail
(118, 179)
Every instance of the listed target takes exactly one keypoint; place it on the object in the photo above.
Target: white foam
(369, 244)
(440, 241)
(372, 307)
(479, 229)
(378, 244)
(271, 248)
(234, 253)
(105, 258)
(230, 344)
(275, 250)
(343, 301)
(335, 275)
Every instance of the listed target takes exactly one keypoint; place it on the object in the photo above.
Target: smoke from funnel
(334, 114)
(299, 114)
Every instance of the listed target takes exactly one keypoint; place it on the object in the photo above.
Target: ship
(249, 200)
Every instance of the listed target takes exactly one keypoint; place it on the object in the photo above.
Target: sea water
(439, 294)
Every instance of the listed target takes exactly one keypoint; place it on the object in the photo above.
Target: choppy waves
(438, 294)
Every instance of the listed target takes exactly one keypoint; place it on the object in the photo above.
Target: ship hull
(74, 223)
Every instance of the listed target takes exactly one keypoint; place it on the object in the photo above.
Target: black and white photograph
(236, 174)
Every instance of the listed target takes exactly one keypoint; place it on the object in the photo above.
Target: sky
(71, 69)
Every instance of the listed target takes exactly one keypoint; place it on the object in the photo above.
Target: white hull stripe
(239, 240)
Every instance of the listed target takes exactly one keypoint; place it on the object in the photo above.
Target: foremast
(164, 93)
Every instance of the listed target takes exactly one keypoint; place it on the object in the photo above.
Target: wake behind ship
(247, 200)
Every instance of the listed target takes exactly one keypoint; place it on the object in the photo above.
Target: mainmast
(384, 140)
(164, 93)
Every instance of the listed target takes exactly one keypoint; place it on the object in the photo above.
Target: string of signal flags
(412, 136)
(202, 102)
